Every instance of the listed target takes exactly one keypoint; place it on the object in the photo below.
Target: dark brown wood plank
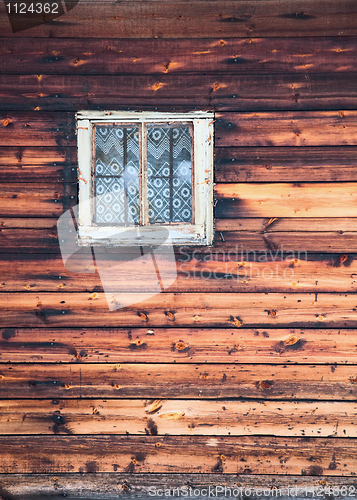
(160, 381)
(300, 242)
(192, 91)
(105, 486)
(242, 200)
(186, 310)
(210, 271)
(179, 418)
(295, 164)
(22, 129)
(45, 241)
(199, 19)
(332, 199)
(284, 224)
(323, 128)
(314, 128)
(290, 164)
(114, 56)
(177, 345)
(182, 454)
(41, 164)
(34, 199)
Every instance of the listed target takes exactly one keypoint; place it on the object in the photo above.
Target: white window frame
(199, 233)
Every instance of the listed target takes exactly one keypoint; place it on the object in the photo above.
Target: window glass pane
(116, 175)
(169, 170)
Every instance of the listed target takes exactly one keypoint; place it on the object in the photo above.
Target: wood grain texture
(291, 200)
(20, 129)
(199, 19)
(42, 164)
(39, 240)
(34, 199)
(289, 164)
(28, 223)
(187, 310)
(107, 486)
(209, 271)
(182, 454)
(189, 91)
(45, 241)
(295, 164)
(323, 128)
(179, 418)
(318, 128)
(252, 200)
(176, 345)
(281, 224)
(298, 242)
(181, 381)
(146, 56)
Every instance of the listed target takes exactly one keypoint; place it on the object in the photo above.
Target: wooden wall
(247, 376)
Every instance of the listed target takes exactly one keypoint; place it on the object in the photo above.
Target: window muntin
(122, 150)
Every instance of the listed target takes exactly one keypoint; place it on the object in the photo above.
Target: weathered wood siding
(244, 365)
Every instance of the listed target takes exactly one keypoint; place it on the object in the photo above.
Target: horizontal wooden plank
(194, 381)
(300, 242)
(166, 91)
(240, 200)
(26, 129)
(213, 270)
(291, 164)
(181, 454)
(199, 19)
(35, 199)
(185, 309)
(294, 164)
(28, 223)
(41, 164)
(332, 199)
(323, 128)
(179, 418)
(314, 128)
(174, 345)
(114, 56)
(107, 486)
(39, 240)
(281, 224)
(45, 241)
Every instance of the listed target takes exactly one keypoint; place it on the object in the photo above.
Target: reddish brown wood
(289, 164)
(209, 271)
(40, 164)
(199, 19)
(221, 455)
(146, 56)
(18, 128)
(179, 417)
(313, 128)
(191, 91)
(178, 345)
(161, 381)
(134, 485)
(215, 310)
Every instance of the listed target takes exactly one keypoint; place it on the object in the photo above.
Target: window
(146, 171)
